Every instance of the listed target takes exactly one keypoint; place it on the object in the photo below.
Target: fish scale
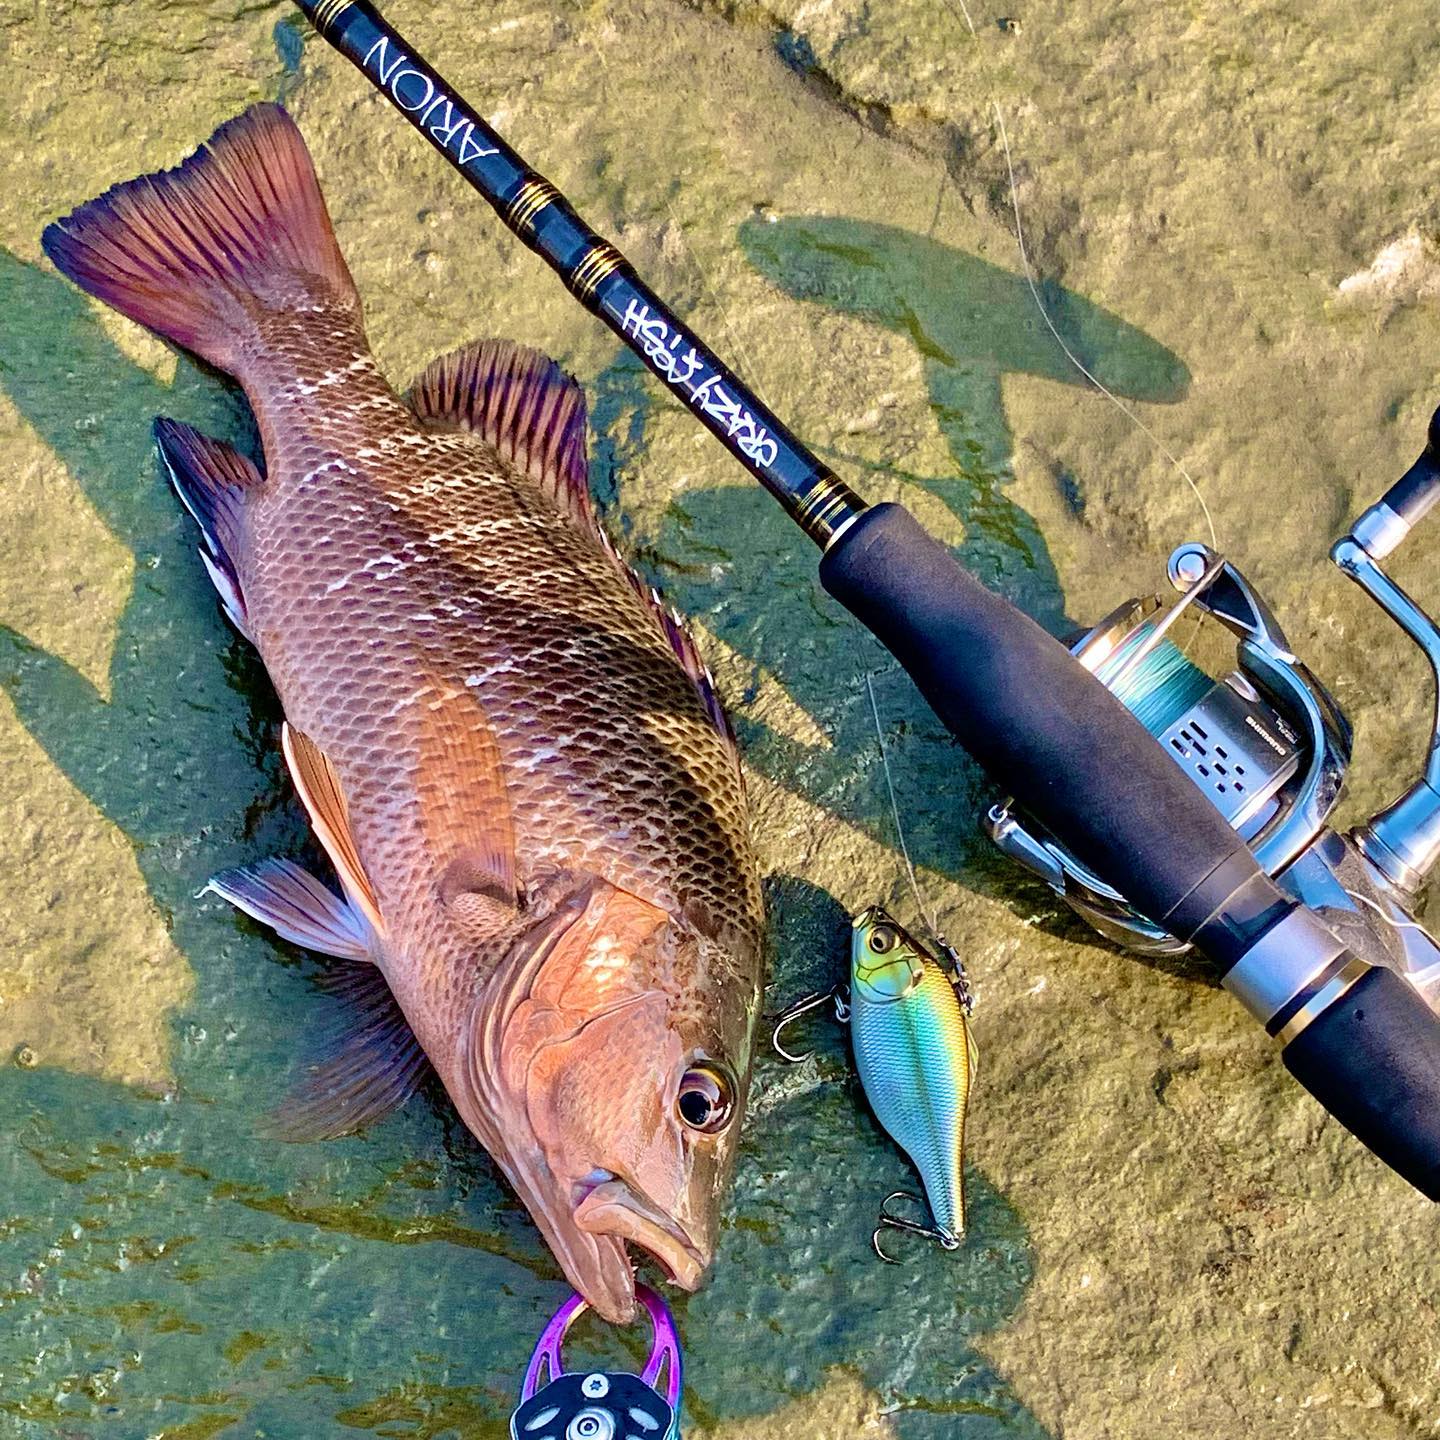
(513, 756)
(566, 654)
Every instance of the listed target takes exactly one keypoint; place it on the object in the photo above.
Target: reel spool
(1269, 747)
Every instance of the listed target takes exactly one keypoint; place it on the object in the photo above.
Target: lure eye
(706, 1101)
(882, 939)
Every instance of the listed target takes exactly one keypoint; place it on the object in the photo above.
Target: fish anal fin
(465, 810)
(297, 907)
(211, 479)
(368, 1066)
(523, 404)
(324, 800)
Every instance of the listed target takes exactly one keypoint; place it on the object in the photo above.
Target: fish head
(610, 1056)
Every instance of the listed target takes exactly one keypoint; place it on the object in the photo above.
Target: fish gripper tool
(601, 1404)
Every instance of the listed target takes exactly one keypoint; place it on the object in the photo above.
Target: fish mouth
(609, 1209)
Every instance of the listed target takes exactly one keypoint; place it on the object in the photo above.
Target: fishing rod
(1120, 824)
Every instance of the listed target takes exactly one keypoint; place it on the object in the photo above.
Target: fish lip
(605, 1277)
(612, 1209)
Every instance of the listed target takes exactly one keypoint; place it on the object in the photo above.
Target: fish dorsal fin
(297, 907)
(211, 480)
(465, 810)
(523, 404)
(681, 639)
(320, 791)
(368, 1065)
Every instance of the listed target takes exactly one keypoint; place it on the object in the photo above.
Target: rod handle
(1048, 731)
(1372, 1059)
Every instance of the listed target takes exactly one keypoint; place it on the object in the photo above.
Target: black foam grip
(1415, 493)
(1046, 729)
(1373, 1061)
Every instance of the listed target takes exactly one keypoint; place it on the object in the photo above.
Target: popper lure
(908, 1013)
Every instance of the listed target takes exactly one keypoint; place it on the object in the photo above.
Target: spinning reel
(1268, 746)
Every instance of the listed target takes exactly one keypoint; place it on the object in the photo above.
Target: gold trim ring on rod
(604, 260)
(530, 199)
(328, 11)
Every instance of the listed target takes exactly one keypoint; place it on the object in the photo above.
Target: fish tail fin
(197, 252)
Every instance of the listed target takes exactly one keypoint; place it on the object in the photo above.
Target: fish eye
(706, 1101)
(882, 939)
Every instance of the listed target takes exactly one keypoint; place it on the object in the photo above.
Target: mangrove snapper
(512, 754)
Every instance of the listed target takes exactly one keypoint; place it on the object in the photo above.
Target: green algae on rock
(1173, 1239)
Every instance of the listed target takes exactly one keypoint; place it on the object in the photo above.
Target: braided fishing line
(960, 977)
(1159, 688)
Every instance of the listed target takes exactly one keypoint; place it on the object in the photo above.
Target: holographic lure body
(915, 1056)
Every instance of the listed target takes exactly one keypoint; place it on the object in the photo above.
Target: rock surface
(1231, 218)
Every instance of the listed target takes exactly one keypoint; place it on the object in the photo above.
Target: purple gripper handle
(546, 1365)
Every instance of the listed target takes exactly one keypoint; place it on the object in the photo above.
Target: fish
(510, 750)
(916, 1056)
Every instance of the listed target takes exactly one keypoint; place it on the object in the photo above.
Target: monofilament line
(1070, 355)
(920, 905)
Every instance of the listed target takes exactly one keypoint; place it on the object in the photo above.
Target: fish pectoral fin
(297, 907)
(521, 402)
(465, 810)
(211, 479)
(369, 1065)
(324, 800)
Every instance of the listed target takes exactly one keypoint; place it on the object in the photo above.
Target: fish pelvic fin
(297, 907)
(521, 402)
(324, 800)
(195, 252)
(465, 811)
(211, 479)
(369, 1064)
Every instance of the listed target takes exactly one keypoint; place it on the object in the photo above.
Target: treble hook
(803, 1007)
(943, 1238)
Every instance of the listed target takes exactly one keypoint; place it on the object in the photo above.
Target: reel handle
(1047, 730)
(1405, 504)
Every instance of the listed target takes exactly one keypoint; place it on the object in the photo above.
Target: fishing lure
(601, 1404)
(908, 1013)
